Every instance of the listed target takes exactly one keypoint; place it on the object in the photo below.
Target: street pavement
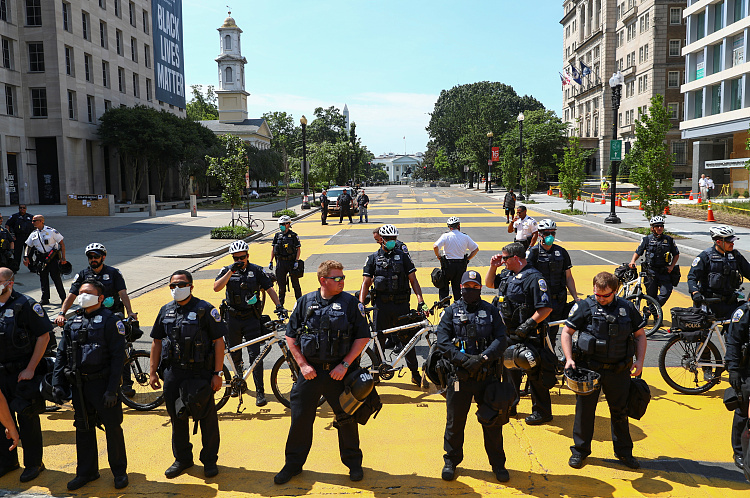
(682, 441)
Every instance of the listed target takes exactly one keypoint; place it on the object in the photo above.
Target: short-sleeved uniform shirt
(579, 317)
(369, 268)
(250, 271)
(665, 240)
(44, 240)
(32, 318)
(455, 244)
(110, 277)
(528, 286)
(290, 242)
(211, 320)
(525, 228)
(348, 303)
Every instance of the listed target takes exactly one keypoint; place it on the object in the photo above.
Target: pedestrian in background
(703, 187)
(709, 187)
(345, 204)
(324, 207)
(363, 201)
(509, 204)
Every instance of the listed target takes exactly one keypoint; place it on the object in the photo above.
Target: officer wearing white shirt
(455, 245)
(525, 227)
(43, 240)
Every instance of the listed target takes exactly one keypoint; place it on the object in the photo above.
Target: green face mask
(549, 239)
(253, 299)
(282, 228)
(390, 245)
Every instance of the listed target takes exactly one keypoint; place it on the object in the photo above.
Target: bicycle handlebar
(711, 300)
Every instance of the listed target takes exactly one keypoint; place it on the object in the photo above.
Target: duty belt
(12, 367)
(286, 258)
(71, 375)
(241, 314)
(397, 298)
(325, 366)
(618, 366)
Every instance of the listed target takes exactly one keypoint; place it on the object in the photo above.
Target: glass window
(69, 63)
(103, 34)
(700, 19)
(698, 99)
(4, 10)
(679, 151)
(118, 11)
(715, 99)
(673, 109)
(118, 41)
(105, 73)
(716, 58)
(136, 86)
(675, 15)
(738, 50)
(147, 55)
(131, 12)
(718, 16)
(227, 42)
(674, 48)
(145, 21)
(121, 79)
(90, 110)
(33, 12)
(673, 79)
(148, 90)
(736, 97)
(107, 105)
(7, 53)
(133, 50)
(66, 16)
(87, 69)
(10, 101)
(739, 10)
(36, 57)
(71, 104)
(39, 102)
(85, 26)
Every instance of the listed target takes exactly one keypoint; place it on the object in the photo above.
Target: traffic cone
(666, 209)
(618, 201)
(640, 205)
(691, 196)
(560, 193)
(579, 197)
(700, 201)
(604, 199)
(630, 198)
(710, 214)
(592, 199)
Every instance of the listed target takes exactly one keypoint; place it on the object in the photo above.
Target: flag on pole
(585, 70)
(575, 75)
(567, 77)
(563, 79)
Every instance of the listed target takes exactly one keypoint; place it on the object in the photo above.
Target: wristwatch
(218, 372)
(346, 365)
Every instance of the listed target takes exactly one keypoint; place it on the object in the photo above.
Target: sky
(387, 60)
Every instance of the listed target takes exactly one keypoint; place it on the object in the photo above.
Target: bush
(736, 194)
(231, 232)
(281, 212)
(315, 203)
(746, 194)
(295, 185)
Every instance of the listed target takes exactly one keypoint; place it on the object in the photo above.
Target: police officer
(390, 271)
(660, 254)
(7, 244)
(738, 366)
(524, 306)
(458, 249)
(471, 336)
(6, 420)
(345, 204)
(89, 357)
(717, 272)
(286, 249)
(363, 200)
(324, 207)
(188, 344)
(326, 334)
(244, 282)
(609, 333)
(525, 227)
(379, 240)
(20, 224)
(43, 240)
(25, 334)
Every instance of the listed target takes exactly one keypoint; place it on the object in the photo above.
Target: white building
(398, 166)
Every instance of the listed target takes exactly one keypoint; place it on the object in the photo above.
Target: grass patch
(647, 230)
(226, 207)
(231, 232)
(568, 211)
(281, 212)
(528, 201)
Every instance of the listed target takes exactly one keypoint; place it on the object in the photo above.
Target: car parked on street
(333, 195)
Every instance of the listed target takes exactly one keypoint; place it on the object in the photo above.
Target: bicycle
(255, 224)
(690, 362)
(632, 290)
(137, 362)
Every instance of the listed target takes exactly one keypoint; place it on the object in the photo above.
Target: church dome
(229, 22)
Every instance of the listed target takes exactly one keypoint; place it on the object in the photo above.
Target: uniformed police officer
(717, 272)
(7, 245)
(660, 257)
(471, 335)
(609, 333)
(25, 334)
(244, 282)
(738, 365)
(458, 249)
(21, 225)
(525, 306)
(188, 344)
(286, 249)
(43, 240)
(345, 203)
(324, 207)
(390, 271)
(6, 420)
(89, 357)
(379, 240)
(326, 334)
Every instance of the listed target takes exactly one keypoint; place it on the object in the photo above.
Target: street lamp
(305, 186)
(351, 163)
(615, 82)
(488, 187)
(520, 148)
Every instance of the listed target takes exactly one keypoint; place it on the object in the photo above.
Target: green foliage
(746, 194)
(231, 232)
(573, 169)
(202, 107)
(229, 169)
(281, 212)
(568, 211)
(650, 161)
(736, 194)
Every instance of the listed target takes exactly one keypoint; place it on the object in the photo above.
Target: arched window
(228, 73)
(227, 42)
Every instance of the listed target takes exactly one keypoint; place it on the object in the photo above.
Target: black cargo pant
(52, 271)
(29, 428)
(323, 214)
(659, 286)
(304, 398)
(283, 268)
(87, 452)
(386, 317)
(182, 449)
(457, 405)
(541, 402)
(739, 423)
(244, 327)
(454, 269)
(345, 211)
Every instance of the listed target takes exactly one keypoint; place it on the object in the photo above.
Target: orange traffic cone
(618, 201)
(640, 205)
(666, 209)
(710, 214)
(691, 196)
(579, 197)
(604, 199)
(560, 193)
(592, 199)
(630, 198)
(699, 199)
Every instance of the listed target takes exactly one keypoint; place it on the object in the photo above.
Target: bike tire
(367, 359)
(257, 225)
(144, 398)
(283, 379)
(677, 366)
(221, 399)
(656, 318)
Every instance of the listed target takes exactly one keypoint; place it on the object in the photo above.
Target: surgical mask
(87, 300)
(180, 293)
(2, 287)
(470, 295)
(282, 228)
(108, 302)
(549, 239)
(390, 245)
(253, 299)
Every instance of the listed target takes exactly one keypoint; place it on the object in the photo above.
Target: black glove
(526, 328)
(237, 266)
(281, 312)
(472, 363)
(58, 395)
(422, 307)
(697, 298)
(735, 380)
(109, 399)
(270, 266)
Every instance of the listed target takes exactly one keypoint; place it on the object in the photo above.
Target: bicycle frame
(632, 287)
(425, 324)
(713, 330)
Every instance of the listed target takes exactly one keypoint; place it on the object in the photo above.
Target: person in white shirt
(43, 240)
(525, 227)
(458, 249)
(703, 187)
(709, 187)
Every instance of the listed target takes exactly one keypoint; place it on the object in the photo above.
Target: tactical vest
(612, 330)
(723, 274)
(657, 254)
(390, 277)
(473, 329)
(186, 345)
(109, 287)
(5, 240)
(551, 264)
(242, 286)
(513, 306)
(284, 246)
(87, 347)
(16, 343)
(326, 334)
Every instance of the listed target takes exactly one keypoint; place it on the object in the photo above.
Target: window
(10, 100)
(739, 10)
(645, 52)
(716, 52)
(644, 22)
(645, 82)
(136, 86)
(131, 11)
(7, 48)
(718, 16)
(71, 104)
(69, 62)
(698, 99)
(145, 21)
(121, 79)
(118, 41)
(118, 10)
(87, 68)
(736, 94)
(149, 94)
(90, 109)
(679, 151)
(67, 25)
(4, 10)
(715, 99)
(640, 84)
(630, 89)
(738, 50)
(103, 4)
(33, 12)
(228, 73)
(675, 15)
(107, 105)
(105, 74)
(596, 103)
(629, 62)
(103, 34)
(39, 102)
(673, 109)
(85, 25)
(147, 55)
(674, 48)
(700, 19)
(673, 79)
(596, 125)
(227, 42)
(133, 50)
(36, 57)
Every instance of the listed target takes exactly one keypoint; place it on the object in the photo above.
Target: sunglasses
(179, 284)
(239, 258)
(336, 279)
(505, 258)
(94, 256)
(547, 233)
(604, 296)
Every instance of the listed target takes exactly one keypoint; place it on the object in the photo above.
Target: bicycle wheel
(144, 397)
(221, 398)
(653, 321)
(367, 359)
(677, 365)
(257, 225)
(283, 379)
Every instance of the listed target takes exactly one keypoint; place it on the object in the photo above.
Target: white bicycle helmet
(388, 231)
(96, 247)
(284, 219)
(547, 224)
(453, 220)
(721, 231)
(657, 220)
(238, 246)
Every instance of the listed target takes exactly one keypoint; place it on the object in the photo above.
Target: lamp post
(520, 149)
(351, 163)
(488, 187)
(615, 82)
(305, 186)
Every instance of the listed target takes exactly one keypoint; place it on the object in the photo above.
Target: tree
(229, 169)
(650, 161)
(265, 165)
(573, 169)
(284, 131)
(202, 107)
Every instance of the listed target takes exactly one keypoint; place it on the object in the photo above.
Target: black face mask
(469, 295)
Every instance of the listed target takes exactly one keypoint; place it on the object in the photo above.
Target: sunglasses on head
(336, 279)
(179, 284)
(239, 258)
(604, 296)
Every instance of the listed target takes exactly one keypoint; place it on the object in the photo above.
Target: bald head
(6, 274)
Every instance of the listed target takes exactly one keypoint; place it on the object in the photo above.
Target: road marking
(603, 259)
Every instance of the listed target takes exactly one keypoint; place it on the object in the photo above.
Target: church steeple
(231, 92)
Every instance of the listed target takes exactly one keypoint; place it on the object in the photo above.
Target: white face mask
(87, 300)
(2, 287)
(180, 293)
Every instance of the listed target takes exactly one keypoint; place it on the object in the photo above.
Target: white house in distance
(398, 165)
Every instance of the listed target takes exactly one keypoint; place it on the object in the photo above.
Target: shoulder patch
(120, 327)
(215, 314)
(737, 316)
(519, 276)
(38, 309)
(573, 310)
(542, 285)
(695, 261)
(404, 248)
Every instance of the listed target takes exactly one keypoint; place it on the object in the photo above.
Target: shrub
(231, 232)
(746, 194)
(736, 194)
(281, 212)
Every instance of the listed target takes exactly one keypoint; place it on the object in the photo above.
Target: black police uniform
(187, 334)
(469, 330)
(553, 263)
(522, 294)
(93, 348)
(110, 278)
(285, 245)
(243, 319)
(325, 331)
(718, 275)
(345, 205)
(738, 360)
(22, 322)
(659, 253)
(612, 358)
(21, 225)
(362, 202)
(6, 254)
(323, 209)
(390, 272)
